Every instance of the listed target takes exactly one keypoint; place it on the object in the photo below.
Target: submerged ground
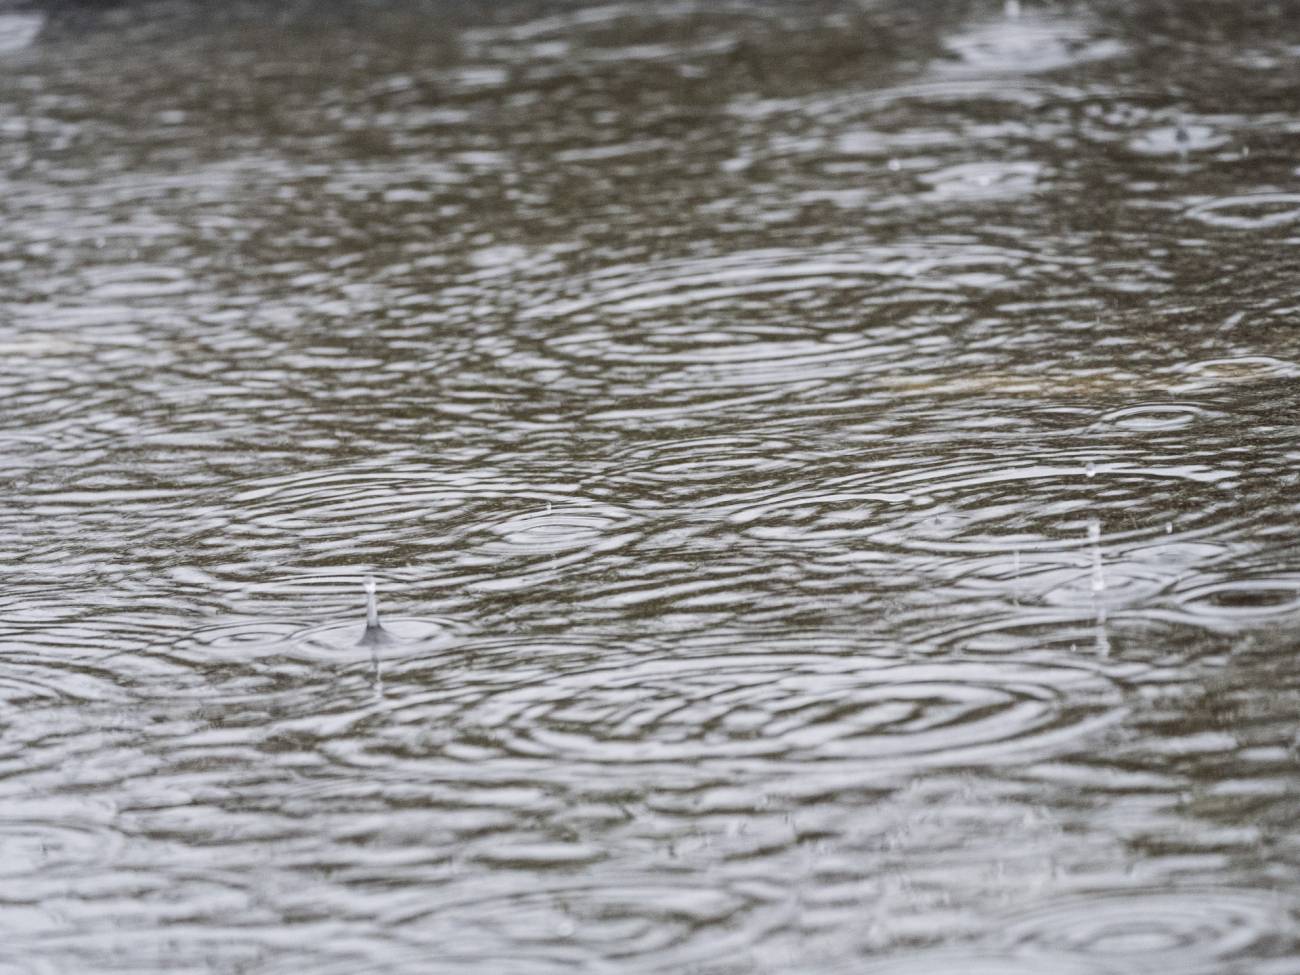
(830, 470)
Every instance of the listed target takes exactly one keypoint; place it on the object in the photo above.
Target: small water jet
(375, 634)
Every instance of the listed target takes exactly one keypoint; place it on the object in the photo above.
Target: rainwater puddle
(829, 475)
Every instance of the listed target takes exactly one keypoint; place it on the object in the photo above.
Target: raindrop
(1094, 542)
(1098, 587)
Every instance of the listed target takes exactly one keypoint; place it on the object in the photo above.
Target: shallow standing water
(830, 470)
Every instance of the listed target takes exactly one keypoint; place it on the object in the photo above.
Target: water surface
(830, 472)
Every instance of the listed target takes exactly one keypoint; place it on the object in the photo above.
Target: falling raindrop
(1098, 587)
(1094, 542)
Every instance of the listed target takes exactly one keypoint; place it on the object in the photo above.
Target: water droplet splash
(1094, 543)
(1098, 587)
(375, 635)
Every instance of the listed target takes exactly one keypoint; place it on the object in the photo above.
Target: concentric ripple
(557, 528)
(35, 847)
(979, 507)
(1177, 140)
(363, 502)
(1236, 599)
(817, 515)
(749, 318)
(1149, 417)
(983, 181)
(1260, 211)
(33, 677)
(1168, 930)
(237, 638)
(703, 461)
(1237, 369)
(1025, 42)
(646, 923)
(303, 522)
(233, 641)
(406, 633)
(807, 709)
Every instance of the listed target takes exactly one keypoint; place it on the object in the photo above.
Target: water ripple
(698, 463)
(1025, 42)
(1182, 930)
(983, 962)
(1258, 211)
(645, 924)
(504, 528)
(1239, 598)
(45, 838)
(776, 707)
(983, 181)
(737, 333)
(1177, 140)
(240, 642)
(1154, 417)
(1235, 369)
(980, 507)
(564, 528)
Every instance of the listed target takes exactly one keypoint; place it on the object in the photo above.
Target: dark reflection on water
(830, 473)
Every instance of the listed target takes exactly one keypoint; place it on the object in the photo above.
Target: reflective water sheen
(830, 472)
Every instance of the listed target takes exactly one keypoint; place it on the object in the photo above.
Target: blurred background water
(830, 469)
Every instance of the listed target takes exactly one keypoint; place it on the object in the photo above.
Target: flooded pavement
(830, 472)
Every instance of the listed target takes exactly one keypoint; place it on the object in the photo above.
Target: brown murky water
(830, 470)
